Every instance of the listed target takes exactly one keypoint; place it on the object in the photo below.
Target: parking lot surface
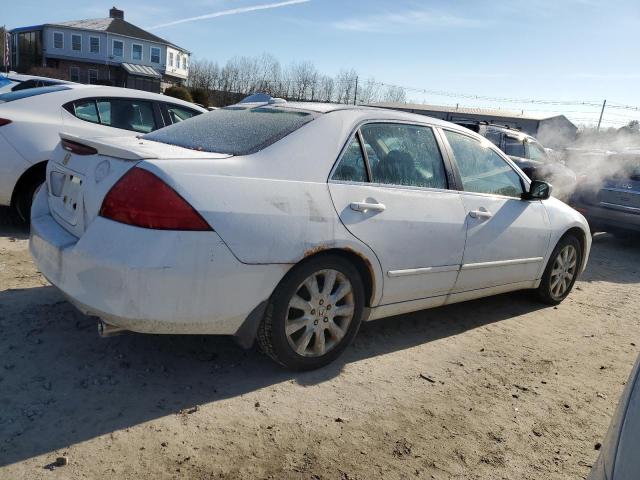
(498, 388)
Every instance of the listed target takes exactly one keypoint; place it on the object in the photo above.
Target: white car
(292, 223)
(31, 121)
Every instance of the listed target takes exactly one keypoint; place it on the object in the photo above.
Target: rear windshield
(31, 92)
(233, 130)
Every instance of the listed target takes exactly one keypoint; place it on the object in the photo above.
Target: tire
(323, 320)
(24, 199)
(553, 290)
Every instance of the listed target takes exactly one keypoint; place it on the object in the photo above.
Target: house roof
(418, 107)
(116, 26)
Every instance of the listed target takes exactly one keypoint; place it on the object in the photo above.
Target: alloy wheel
(319, 313)
(563, 271)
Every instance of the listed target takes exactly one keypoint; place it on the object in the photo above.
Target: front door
(395, 199)
(506, 237)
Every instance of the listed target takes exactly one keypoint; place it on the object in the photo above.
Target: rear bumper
(607, 219)
(150, 281)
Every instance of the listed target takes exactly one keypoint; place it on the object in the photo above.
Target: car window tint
(86, 110)
(405, 155)
(351, 167)
(483, 170)
(126, 114)
(514, 147)
(235, 130)
(178, 114)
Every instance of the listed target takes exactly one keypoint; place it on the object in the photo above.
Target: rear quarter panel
(266, 221)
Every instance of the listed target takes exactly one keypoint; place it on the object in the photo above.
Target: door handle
(365, 207)
(483, 214)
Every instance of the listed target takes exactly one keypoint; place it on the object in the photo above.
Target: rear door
(390, 190)
(507, 237)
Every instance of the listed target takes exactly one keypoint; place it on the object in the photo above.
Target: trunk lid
(621, 191)
(77, 184)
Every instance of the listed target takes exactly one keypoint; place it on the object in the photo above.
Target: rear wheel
(561, 272)
(24, 199)
(313, 314)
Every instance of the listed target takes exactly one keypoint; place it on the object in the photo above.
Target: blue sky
(534, 49)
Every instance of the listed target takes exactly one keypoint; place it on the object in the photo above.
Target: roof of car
(372, 112)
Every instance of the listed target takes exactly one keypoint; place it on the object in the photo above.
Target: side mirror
(538, 190)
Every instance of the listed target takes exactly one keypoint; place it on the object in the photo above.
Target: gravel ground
(499, 388)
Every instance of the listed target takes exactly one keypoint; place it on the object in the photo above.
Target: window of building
(155, 55)
(58, 40)
(76, 43)
(136, 52)
(171, 59)
(94, 44)
(184, 63)
(118, 48)
(93, 75)
(74, 74)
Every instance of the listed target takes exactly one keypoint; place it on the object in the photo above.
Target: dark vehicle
(529, 155)
(619, 459)
(611, 201)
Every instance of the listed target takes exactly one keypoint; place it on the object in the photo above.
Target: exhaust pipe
(106, 330)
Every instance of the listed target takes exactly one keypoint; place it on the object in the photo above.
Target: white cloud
(231, 11)
(413, 19)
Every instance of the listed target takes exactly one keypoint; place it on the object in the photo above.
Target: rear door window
(352, 166)
(405, 155)
(126, 114)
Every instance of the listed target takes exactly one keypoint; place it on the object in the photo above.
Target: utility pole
(355, 94)
(604, 104)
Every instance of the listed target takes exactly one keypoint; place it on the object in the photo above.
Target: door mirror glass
(538, 190)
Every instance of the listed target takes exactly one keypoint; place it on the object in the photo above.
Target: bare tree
(298, 81)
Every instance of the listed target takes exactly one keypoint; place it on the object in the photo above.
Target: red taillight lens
(142, 199)
(78, 148)
(4, 121)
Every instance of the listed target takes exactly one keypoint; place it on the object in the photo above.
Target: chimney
(115, 13)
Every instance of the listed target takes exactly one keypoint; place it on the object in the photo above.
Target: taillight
(140, 198)
(78, 148)
(4, 121)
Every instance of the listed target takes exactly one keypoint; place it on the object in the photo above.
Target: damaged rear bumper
(151, 281)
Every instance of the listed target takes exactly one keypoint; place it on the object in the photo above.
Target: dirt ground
(499, 388)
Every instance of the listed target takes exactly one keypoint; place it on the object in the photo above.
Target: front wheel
(313, 314)
(561, 272)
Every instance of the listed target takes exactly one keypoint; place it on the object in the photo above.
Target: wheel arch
(581, 236)
(362, 264)
(31, 174)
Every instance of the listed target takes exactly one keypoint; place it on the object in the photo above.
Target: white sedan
(31, 121)
(292, 223)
